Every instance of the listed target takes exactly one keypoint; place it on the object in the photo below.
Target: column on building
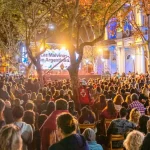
(107, 65)
(120, 60)
(140, 60)
(138, 16)
(106, 34)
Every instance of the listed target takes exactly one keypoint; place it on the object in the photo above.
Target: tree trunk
(28, 70)
(75, 87)
(39, 73)
(39, 70)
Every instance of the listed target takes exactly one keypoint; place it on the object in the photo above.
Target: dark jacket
(119, 126)
(4, 95)
(146, 142)
(48, 130)
(8, 115)
(72, 142)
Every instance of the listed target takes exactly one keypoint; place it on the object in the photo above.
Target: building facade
(129, 51)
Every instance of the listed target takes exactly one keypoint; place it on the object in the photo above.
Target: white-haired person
(134, 140)
(10, 138)
(90, 137)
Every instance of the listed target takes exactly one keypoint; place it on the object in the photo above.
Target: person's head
(66, 123)
(70, 93)
(29, 117)
(33, 96)
(142, 123)
(145, 92)
(134, 140)
(25, 97)
(123, 112)
(50, 107)
(102, 100)
(134, 97)
(39, 97)
(10, 138)
(61, 104)
(48, 98)
(135, 115)
(17, 102)
(53, 89)
(128, 99)
(7, 104)
(61, 92)
(29, 106)
(111, 108)
(41, 120)
(124, 104)
(56, 93)
(89, 134)
(84, 111)
(118, 99)
(18, 112)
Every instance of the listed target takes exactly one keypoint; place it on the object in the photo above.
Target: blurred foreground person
(10, 138)
(48, 129)
(90, 137)
(66, 125)
(134, 140)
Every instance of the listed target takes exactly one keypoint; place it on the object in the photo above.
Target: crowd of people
(44, 117)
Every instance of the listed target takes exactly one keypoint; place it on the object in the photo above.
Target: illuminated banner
(53, 56)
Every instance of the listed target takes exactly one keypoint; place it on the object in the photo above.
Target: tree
(74, 20)
(9, 42)
(33, 20)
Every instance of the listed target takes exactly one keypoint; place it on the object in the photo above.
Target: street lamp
(51, 26)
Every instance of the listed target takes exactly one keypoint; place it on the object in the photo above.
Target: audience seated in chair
(120, 126)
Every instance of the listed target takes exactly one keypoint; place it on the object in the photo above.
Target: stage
(66, 76)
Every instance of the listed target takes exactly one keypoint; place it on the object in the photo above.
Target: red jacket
(84, 96)
(47, 129)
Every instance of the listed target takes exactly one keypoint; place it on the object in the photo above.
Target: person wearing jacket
(24, 128)
(48, 130)
(84, 95)
(67, 126)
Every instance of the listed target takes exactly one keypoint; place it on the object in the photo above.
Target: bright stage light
(63, 48)
(100, 50)
(41, 48)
